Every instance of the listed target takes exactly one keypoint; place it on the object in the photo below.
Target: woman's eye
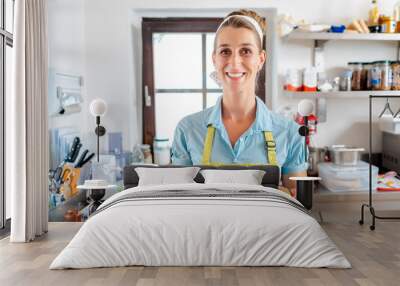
(224, 52)
(246, 51)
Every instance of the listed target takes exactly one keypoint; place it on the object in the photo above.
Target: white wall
(113, 73)
(66, 54)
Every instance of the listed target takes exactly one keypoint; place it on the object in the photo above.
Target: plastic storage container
(162, 152)
(390, 124)
(347, 178)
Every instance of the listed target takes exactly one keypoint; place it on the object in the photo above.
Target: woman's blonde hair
(239, 22)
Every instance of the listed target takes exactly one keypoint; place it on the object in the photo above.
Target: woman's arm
(179, 152)
(291, 185)
(295, 164)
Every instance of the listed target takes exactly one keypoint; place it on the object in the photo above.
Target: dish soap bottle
(373, 15)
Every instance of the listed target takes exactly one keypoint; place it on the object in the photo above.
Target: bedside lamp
(98, 108)
(305, 108)
(304, 185)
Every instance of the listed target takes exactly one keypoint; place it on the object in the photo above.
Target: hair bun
(244, 12)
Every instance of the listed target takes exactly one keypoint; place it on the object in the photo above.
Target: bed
(198, 224)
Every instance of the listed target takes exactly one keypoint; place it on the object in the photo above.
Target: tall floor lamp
(304, 185)
(98, 108)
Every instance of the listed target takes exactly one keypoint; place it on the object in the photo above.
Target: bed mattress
(201, 225)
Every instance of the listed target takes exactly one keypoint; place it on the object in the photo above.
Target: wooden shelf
(340, 94)
(343, 36)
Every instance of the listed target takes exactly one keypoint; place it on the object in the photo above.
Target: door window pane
(170, 108)
(212, 98)
(9, 15)
(177, 60)
(210, 66)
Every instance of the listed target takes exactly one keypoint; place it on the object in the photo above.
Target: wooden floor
(375, 257)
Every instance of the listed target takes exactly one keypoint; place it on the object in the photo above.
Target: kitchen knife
(76, 153)
(72, 151)
(81, 159)
(86, 160)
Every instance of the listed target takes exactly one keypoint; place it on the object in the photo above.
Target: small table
(96, 193)
(304, 190)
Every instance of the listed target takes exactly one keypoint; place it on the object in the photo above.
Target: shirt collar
(262, 122)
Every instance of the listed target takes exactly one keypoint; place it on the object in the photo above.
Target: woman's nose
(236, 59)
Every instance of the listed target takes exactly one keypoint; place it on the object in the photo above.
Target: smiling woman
(239, 128)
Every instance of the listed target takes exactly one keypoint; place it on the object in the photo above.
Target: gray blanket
(202, 194)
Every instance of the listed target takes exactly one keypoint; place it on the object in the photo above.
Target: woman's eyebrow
(243, 44)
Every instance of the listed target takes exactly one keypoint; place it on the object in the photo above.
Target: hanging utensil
(397, 113)
(387, 107)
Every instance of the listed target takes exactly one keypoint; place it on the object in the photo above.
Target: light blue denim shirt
(191, 131)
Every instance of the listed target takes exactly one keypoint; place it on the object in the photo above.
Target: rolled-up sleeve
(180, 153)
(295, 159)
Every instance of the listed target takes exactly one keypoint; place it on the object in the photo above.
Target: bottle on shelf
(396, 11)
(396, 16)
(373, 14)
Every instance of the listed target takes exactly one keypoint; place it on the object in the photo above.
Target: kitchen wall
(107, 40)
(66, 56)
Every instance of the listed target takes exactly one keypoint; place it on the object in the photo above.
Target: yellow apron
(269, 145)
(208, 142)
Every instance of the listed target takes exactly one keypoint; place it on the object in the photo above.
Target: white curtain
(28, 122)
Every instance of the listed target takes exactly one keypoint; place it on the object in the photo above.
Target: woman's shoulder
(283, 123)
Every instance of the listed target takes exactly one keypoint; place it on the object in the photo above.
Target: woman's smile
(235, 75)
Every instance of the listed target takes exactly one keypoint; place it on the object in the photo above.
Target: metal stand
(369, 205)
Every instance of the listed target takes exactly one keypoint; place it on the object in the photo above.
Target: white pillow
(166, 176)
(248, 177)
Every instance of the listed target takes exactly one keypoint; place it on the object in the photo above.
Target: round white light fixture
(305, 107)
(98, 107)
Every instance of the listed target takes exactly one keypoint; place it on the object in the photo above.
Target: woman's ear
(213, 58)
(263, 57)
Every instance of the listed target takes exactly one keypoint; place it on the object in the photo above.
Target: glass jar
(388, 25)
(356, 68)
(345, 81)
(376, 76)
(395, 75)
(162, 152)
(386, 75)
(148, 157)
(366, 67)
(137, 155)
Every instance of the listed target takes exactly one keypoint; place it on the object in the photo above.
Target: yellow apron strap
(271, 148)
(206, 159)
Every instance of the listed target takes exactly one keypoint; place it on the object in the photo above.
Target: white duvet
(200, 231)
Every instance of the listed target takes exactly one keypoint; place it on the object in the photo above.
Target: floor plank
(375, 257)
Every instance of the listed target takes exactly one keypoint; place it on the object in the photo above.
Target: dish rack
(370, 198)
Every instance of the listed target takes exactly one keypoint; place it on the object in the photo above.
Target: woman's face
(237, 59)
